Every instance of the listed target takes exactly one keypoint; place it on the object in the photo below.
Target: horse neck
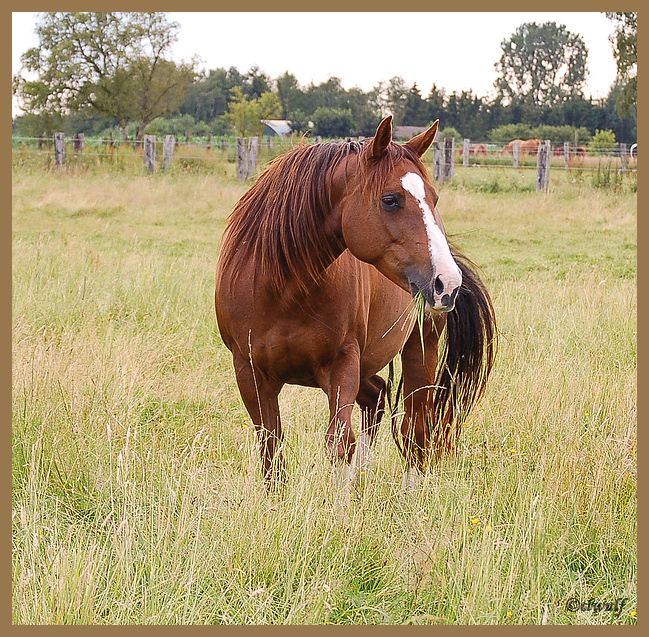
(326, 246)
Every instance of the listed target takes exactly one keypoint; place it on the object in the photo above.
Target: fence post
(516, 153)
(543, 166)
(79, 140)
(466, 149)
(242, 159)
(59, 149)
(209, 141)
(449, 160)
(438, 163)
(223, 144)
(566, 154)
(253, 150)
(624, 157)
(41, 140)
(168, 151)
(149, 152)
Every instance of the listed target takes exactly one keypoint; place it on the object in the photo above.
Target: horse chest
(296, 343)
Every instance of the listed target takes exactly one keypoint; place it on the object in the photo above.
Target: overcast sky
(456, 51)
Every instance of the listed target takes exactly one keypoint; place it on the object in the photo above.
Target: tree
(396, 94)
(333, 122)
(299, 122)
(603, 141)
(112, 62)
(415, 108)
(436, 100)
(541, 64)
(157, 88)
(329, 93)
(256, 83)
(464, 112)
(365, 114)
(207, 98)
(244, 115)
(37, 124)
(608, 116)
(625, 49)
(289, 93)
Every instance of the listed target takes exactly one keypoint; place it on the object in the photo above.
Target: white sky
(456, 51)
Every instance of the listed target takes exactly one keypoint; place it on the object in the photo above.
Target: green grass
(136, 487)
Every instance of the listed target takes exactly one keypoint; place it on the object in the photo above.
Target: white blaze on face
(441, 258)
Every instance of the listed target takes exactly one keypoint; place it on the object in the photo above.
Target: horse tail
(393, 404)
(466, 357)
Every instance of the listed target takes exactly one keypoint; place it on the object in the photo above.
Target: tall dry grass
(136, 487)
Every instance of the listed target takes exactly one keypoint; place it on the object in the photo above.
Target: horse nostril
(439, 286)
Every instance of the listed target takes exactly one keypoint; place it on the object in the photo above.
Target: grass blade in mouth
(420, 313)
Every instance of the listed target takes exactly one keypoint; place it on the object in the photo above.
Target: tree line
(101, 72)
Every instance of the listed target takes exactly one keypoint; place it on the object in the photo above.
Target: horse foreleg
(371, 398)
(419, 369)
(341, 383)
(260, 396)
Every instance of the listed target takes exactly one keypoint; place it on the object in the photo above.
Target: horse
(525, 147)
(320, 262)
(508, 148)
(530, 146)
(479, 149)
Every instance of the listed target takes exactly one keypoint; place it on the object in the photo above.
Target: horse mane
(278, 223)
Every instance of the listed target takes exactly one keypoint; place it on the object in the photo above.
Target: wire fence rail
(246, 154)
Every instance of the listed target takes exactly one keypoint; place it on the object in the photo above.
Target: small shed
(274, 127)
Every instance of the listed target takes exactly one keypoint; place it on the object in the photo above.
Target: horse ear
(421, 143)
(382, 138)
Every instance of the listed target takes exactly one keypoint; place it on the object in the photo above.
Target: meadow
(137, 496)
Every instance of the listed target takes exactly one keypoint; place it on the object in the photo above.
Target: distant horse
(579, 151)
(573, 151)
(525, 147)
(530, 146)
(508, 148)
(479, 149)
(318, 267)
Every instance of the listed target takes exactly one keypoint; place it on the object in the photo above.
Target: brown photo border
(5, 299)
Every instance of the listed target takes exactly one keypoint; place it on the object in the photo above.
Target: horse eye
(390, 202)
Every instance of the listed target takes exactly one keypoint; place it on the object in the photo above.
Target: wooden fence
(247, 152)
(443, 154)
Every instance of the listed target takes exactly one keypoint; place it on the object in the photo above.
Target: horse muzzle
(440, 292)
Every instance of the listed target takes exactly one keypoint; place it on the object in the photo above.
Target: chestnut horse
(317, 271)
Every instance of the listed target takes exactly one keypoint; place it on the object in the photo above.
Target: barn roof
(280, 126)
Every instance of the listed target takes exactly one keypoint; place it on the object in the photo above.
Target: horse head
(389, 217)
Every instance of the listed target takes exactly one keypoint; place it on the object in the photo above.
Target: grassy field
(136, 490)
